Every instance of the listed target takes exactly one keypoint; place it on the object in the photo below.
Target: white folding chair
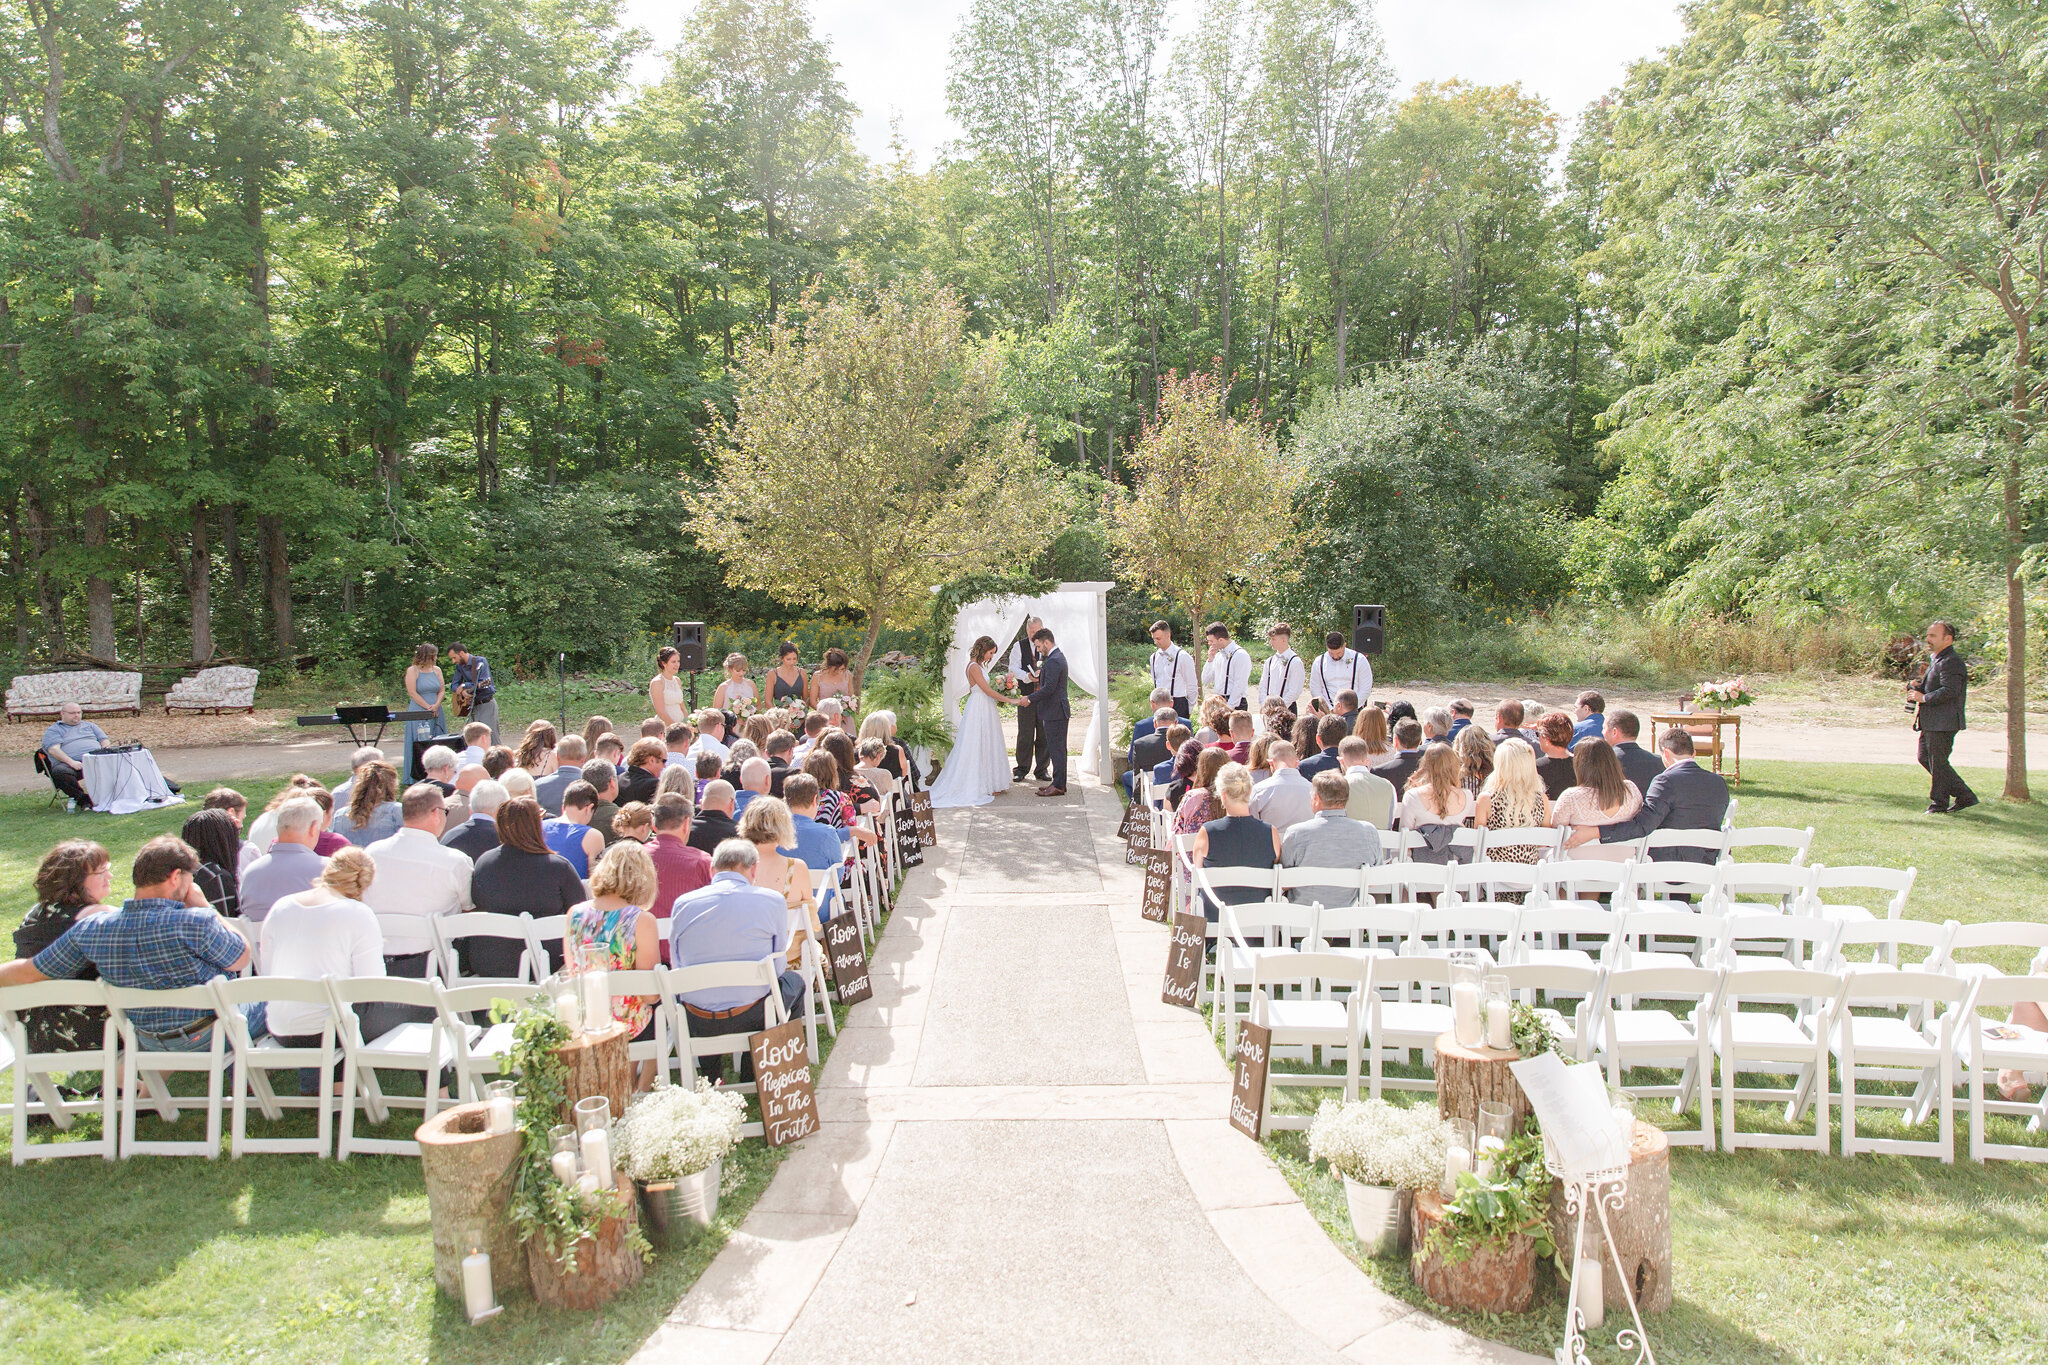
(1761, 889)
(1559, 981)
(1750, 941)
(1491, 883)
(1365, 930)
(256, 1059)
(1454, 923)
(1765, 1040)
(141, 1069)
(36, 1071)
(1396, 1026)
(395, 927)
(1665, 938)
(1327, 885)
(421, 1046)
(451, 931)
(1799, 841)
(1549, 842)
(811, 966)
(1869, 947)
(1404, 883)
(250, 930)
(1631, 1037)
(1991, 1045)
(1893, 885)
(543, 930)
(656, 1049)
(1204, 884)
(1316, 1015)
(475, 1047)
(1582, 879)
(1275, 923)
(1546, 930)
(1994, 934)
(696, 1037)
(1671, 886)
(1710, 842)
(1886, 1047)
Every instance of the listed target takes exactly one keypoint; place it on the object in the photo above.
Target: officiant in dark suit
(1048, 701)
(1938, 716)
(1022, 663)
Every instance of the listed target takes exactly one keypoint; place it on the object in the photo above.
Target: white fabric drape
(1071, 617)
(1075, 617)
(996, 618)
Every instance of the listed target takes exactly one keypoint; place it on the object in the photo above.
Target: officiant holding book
(1022, 663)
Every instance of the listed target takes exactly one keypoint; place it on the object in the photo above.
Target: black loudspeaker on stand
(1369, 629)
(689, 642)
(419, 752)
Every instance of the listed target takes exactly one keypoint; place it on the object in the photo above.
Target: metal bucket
(1379, 1217)
(677, 1210)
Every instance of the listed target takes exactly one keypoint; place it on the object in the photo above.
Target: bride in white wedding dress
(979, 765)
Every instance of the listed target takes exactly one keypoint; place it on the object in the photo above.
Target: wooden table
(1708, 725)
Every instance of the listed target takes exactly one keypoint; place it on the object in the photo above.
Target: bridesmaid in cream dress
(664, 692)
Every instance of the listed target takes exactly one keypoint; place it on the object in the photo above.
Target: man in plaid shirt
(166, 938)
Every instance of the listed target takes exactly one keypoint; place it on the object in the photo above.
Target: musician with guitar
(476, 695)
(1937, 698)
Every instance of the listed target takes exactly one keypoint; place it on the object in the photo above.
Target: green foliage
(914, 695)
(949, 597)
(1514, 1202)
(1130, 689)
(1529, 1031)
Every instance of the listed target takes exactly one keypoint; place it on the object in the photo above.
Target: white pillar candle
(504, 1115)
(586, 1185)
(563, 1164)
(1488, 1156)
(1625, 1124)
(1497, 1036)
(477, 1298)
(1457, 1162)
(597, 1156)
(569, 1009)
(597, 1001)
(1465, 1013)
(1592, 1293)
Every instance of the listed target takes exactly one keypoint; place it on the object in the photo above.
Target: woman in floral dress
(616, 922)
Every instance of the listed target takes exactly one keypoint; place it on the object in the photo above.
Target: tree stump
(606, 1264)
(598, 1065)
(1642, 1227)
(1468, 1076)
(469, 1176)
(1492, 1279)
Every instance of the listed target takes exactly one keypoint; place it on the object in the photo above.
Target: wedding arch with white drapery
(1077, 614)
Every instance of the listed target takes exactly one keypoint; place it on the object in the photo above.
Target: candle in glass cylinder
(563, 1164)
(1457, 1155)
(1465, 1013)
(597, 1156)
(597, 1000)
(1592, 1293)
(1494, 991)
(479, 1301)
(504, 1108)
(569, 1009)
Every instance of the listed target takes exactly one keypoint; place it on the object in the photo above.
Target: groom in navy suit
(1048, 701)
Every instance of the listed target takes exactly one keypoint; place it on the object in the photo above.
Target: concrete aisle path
(1023, 1153)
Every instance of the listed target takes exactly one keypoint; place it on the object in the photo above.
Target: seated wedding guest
(1513, 798)
(612, 750)
(1160, 700)
(635, 821)
(1683, 796)
(1285, 798)
(163, 938)
(1162, 773)
(1436, 726)
(1279, 720)
(1372, 795)
(1215, 722)
(1235, 838)
(537, 749)
(1601, 797)
(1242, 732)
(1638, 764)
(570, 755)
(732, 920)
(1149, 750)
(1507, 724)
(679, 738)
(466, 781)
(1461, 716)
(418, 878)
(1592, 720)
(476, 745)
(654, 727)
(1186, 759)
(214, 837)
(325, 930)
(645, 762)
(856, 798)
(1330, 732)
(711, 734)
(438, 763)
(619, 922)
(1401, 710)
(708, 768)
(736, 758)
(367, 754)
(1407, 754)
(755, 731)
(64, 746)
(478, 834)
(73, 881)
(824, 769)
(291, 865)
(1330, 837)
(517, 783)
(570, 834)
(770, 828)
(1257, 760)
(780, 751)
(815, 726)
(604, 780)
(521, 876)
(679, 867)
(838, 714)
(594, 729)
(881, 724)
(1532, 711)
(329, 843)
(683, 784)
(372, 810)
(818, 846)
(754, 775)
(1436, 805)
(1346, 705)
(714, 823)
(868, 767)
(1475, 752)
(1200, 805)
(1303, 737)
(1554, 754)
(499, 761)
(231, 801)
(1372, 727)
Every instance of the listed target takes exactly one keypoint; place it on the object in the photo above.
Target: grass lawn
(270, 1258)
(1797, 1257)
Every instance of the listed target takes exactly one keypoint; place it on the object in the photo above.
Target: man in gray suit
(1683, 796)
(1938, 716)
(1638, 764)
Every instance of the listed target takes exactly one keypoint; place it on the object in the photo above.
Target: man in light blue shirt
(291, 866)
(66, 744)
(818, 845)
(731, 920)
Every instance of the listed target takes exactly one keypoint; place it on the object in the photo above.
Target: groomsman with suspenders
(1173, 669)
(1229, 672)
(1338, 669)
(1283, 674)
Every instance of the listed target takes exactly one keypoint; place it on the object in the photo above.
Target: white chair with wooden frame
(140, 1069)
(1764, 1040)
(256, 1059)
(419, 1046)
(1887, 1048)
(35, 1091)
(1988, 1046)
(1630, 1037)
(1322, 1012)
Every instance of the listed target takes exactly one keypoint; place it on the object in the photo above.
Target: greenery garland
(937, 632)
(1515, 1202)
(543, 1206)
(1529, 1031)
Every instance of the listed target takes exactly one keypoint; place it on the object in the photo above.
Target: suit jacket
(548, 791)
(1322, 761)
(475, 836)
(1399, 769)
(710, 827)
(1049, 698)
(638, 785)
(1142, 729)
(1683, 796)
(1527, 737)
(1638, 764)
(1148, 752)
(1943, 687)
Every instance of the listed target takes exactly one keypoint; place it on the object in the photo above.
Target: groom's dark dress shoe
(1050, 790)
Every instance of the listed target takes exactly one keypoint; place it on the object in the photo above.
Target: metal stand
(693, 692)
(1599, 1191)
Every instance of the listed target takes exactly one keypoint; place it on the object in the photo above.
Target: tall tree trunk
(17, 569)
(99, 590)
(231, 538)
(199, 587)
(2015, 630)
(277, 580)
(49, 600)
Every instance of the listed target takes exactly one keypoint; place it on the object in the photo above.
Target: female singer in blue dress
(422, 693)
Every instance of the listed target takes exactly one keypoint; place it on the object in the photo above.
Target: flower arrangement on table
(1723, 696)
(670, 1132)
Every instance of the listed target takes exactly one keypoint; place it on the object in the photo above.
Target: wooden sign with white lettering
(782, 1072)
(909, 849)
(848, 959)
(1184, 961)
(1138, 838)
(1248, 1084)
(1123, 828)
(1158, 886)
(921, 812)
